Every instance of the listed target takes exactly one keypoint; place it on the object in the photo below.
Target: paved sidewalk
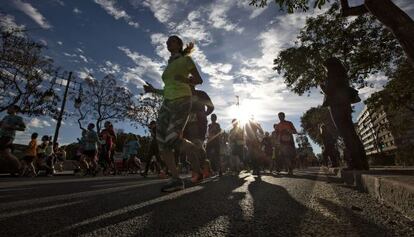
(393, 186)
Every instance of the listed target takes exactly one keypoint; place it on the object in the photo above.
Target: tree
(328, 35)
(147, 110)
(26, 76)
(302, 141)
(399, 91)
(397, 100)
(389, 14)
(105, 100)
(313, 118)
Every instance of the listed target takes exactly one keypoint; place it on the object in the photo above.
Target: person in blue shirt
(90, 142)
(130, 160)
(8, 127)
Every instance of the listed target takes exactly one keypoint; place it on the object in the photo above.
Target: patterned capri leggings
(171, 122)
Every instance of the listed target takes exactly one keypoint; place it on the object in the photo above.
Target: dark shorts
(6, 143)
(90, 153)
(29, 159)
(171, 122)
(237, 150)
(192, 131)
(60, 158)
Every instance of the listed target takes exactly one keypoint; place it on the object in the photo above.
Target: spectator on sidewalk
(339, 96)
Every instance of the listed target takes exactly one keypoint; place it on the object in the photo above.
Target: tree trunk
(395, 19)
(98, 126)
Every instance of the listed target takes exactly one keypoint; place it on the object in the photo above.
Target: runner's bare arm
(148, 88)
(209, 104)
(196, 78)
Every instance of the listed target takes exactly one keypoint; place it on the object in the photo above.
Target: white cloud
(277, 37)
(84, 59)
(110, 68)
(163, 10)
(37, 123)
(76, 11)
(217, 72)
(85, 73)
(43, 42)
(116, 12)
(145, 68)
(262, 91)
(60, 2)
(375, 83)
(159, 40)
(255, 11)
(33, 13)
(70, 55)
(218, 12)
(193, 29)
(59, 43)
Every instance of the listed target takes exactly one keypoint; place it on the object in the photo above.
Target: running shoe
(206, 173)
(173, 185)
(196, 177)
(162, 175)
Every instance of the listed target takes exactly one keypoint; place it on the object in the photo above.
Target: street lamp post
(62, 109)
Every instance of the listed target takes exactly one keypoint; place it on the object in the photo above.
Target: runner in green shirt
(174, 112)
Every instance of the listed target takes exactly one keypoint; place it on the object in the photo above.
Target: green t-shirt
(174, 89)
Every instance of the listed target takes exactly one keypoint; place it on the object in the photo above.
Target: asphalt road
(307, 204)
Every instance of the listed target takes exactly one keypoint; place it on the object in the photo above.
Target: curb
(393, 188)
(331, 171)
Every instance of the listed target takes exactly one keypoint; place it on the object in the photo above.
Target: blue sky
(235, 47)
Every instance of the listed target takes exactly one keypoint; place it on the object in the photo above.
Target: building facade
(373, 127)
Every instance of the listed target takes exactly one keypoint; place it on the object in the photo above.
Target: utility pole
(62, 109)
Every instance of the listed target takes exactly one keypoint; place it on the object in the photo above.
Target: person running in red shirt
(285, 131)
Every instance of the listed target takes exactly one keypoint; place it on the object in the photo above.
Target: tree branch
(352, 11)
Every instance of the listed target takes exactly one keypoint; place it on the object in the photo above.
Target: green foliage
(26, 75)
(399, 91)
(147, 110)
(363, 45)
(397, 99)
(290, 5)
(313, 118)
(105, 100)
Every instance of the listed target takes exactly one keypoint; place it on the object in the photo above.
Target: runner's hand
(148, 88)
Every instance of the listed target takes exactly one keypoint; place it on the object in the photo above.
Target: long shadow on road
(231, 206)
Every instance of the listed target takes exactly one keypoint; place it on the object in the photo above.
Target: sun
(243, 112)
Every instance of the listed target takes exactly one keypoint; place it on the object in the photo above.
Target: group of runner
(181, 130)
(36, 156)
(181, 124)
